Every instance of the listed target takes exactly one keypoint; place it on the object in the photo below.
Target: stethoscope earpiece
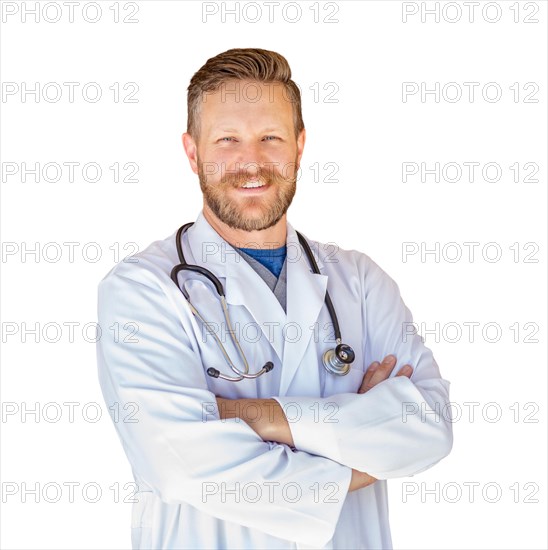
(215, 373)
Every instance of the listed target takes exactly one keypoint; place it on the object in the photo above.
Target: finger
(382, 372)
(368, 375)
(406, 370)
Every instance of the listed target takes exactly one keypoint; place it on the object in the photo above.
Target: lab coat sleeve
(401, 426)
(176, 442)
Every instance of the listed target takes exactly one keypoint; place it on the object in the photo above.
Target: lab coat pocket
(141, 520)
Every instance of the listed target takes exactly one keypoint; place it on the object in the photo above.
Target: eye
(273, 137)
(226, 138)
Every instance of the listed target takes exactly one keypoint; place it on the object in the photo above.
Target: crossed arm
(271, 424)
(175, 464)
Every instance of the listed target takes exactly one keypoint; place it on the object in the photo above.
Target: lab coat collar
(290, 334)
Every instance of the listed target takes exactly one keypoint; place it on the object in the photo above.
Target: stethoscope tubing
(331, 363)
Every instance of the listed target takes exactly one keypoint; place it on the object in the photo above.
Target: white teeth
(252, 184)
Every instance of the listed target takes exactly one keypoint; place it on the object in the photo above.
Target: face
(247, 157)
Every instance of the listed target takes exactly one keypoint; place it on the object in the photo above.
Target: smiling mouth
(253, 185)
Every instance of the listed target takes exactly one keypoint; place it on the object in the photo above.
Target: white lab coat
(210, 483)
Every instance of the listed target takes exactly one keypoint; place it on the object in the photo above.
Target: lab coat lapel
(305, 298)
(243, 286)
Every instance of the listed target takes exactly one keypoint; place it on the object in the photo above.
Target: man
(296, 457)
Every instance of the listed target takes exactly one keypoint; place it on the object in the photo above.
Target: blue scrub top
(271, 258)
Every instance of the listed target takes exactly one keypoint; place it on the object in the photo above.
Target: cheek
(283, 163)
(215, 164)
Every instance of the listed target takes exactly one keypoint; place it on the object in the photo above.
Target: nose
(249, 159)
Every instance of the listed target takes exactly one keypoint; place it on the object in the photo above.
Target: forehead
(250, 101)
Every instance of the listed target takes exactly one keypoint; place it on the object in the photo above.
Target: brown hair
(252, 64)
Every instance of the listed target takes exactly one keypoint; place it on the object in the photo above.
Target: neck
(273, 237)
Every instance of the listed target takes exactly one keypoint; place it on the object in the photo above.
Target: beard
(269, 210)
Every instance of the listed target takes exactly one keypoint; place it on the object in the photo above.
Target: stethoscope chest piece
(337, 361)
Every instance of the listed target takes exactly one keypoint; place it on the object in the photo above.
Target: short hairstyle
(252, 64)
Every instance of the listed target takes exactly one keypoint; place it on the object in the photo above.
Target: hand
(377, 372)
(265, 416)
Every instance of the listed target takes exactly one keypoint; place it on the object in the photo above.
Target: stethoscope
(336, 361)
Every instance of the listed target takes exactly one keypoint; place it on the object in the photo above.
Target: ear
(300, 145)
(191, 151)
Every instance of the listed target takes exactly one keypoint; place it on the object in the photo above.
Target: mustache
(265, 175)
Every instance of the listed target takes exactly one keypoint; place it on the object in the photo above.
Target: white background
(365, 55)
